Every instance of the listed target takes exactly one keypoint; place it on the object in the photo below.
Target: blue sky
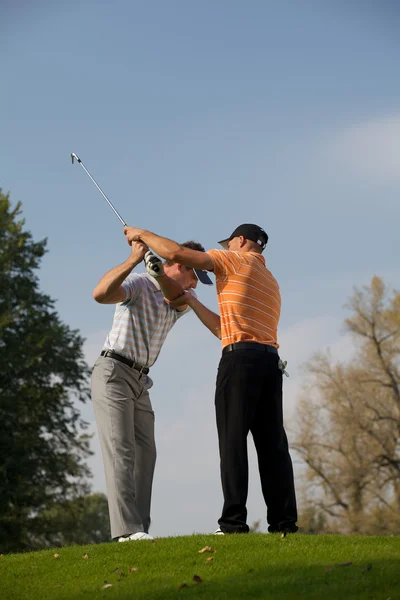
(195, 117)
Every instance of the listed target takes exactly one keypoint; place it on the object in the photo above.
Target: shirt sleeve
(132, 286)
(226, 262)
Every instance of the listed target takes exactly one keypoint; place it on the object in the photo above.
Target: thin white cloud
(370, 148)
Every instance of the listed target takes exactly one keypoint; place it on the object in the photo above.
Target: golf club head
(73, 156)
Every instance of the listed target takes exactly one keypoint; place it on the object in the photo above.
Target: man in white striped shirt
(120, 382)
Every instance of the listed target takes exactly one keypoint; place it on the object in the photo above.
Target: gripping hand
(154, 265)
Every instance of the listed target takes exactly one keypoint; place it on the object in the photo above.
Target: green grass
(242, 566)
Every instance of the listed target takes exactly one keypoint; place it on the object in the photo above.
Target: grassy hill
(235, 566)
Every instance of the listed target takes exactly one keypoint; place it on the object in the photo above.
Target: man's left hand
(154, 265)
(133, 234)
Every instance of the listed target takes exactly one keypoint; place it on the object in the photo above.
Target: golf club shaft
(156, 268)
(73, 155)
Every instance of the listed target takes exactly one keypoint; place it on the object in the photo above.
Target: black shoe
(227, 531)
(283, 528)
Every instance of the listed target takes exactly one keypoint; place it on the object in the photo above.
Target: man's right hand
(109, 290)
(138, 250)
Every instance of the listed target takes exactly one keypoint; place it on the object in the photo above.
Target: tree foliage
(42, 376)
(80, 520)
(349, 421)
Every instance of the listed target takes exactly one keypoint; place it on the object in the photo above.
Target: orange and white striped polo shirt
(248, 296)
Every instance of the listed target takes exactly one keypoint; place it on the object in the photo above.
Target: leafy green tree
(81, 520)
(42, 375)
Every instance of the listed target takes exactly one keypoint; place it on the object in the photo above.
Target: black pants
(249, 398)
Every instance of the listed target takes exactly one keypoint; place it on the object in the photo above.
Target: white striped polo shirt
(142, 322)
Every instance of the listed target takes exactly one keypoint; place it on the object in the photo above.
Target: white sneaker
(218, 532)
(140, 535)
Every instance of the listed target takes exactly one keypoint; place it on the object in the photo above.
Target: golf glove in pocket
(154, 265)
(282, 366)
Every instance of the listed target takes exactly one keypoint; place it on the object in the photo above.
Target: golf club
(73, 156)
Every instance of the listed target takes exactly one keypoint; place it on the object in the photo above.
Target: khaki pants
(125, 422)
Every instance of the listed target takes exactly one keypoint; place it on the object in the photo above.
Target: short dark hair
(190, 244)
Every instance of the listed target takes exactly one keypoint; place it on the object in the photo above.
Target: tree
(312, 520)
(42, 375)
(81, 520)
(349, 420)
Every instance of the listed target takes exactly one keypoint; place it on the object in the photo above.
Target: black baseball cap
(203, 277)
(250, 232)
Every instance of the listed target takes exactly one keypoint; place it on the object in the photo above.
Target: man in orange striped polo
(249, 382)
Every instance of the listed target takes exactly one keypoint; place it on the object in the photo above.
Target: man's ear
(180, 267)
(242, 241)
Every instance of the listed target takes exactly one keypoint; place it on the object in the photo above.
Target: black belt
(126, 361)
(250, 346)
